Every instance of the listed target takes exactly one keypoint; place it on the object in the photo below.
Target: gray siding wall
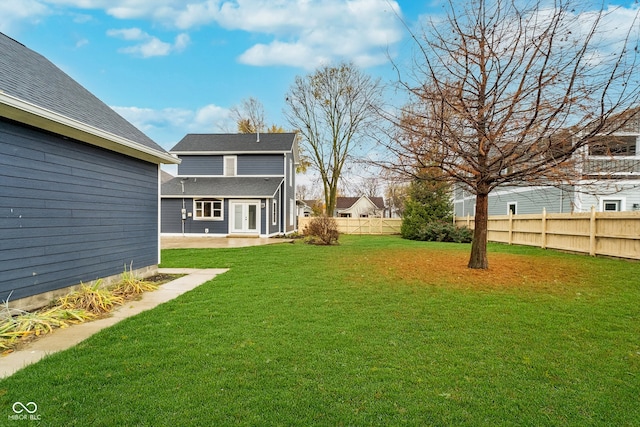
(247, 164)
(70, 212)
(260, 164)
(528, 201)
(200, 165)
(532, 201)
(172, 218)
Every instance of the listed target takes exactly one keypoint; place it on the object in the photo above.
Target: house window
(613, 146)
(274, 212)
(208, 209)
(512, 208)
(291, 173)
(230, 163)
(612, 205)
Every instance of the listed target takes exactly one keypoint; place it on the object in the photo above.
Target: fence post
(592, 232)
(544, 228)
(510, 227)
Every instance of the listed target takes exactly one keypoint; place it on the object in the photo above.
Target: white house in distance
(359, 207)
(610, 181)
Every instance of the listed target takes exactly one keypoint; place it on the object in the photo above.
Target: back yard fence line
(614, 234)
(361, 225)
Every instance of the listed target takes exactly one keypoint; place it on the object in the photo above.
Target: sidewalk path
(61, 339)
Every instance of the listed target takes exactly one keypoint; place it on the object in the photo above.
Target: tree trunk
(479, 246)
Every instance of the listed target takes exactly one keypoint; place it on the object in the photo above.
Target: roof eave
(30, 114)
(226, 152)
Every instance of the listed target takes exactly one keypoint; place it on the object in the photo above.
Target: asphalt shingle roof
(31, 77)
(347, 202)
(221, 187)
(235, 142)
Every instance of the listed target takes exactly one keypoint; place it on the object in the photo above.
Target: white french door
(245, 217)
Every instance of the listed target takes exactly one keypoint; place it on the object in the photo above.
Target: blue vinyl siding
(255, 164)
(70, 212)
(200, 166)
(172, 218)
(247, 165)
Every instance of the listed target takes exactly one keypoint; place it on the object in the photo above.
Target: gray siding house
(79, 185)
(232, 185)
(607, 177)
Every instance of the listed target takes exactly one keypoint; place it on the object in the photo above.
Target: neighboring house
(232, 185)
(309, 207)
(608, 178)
(79, 184)
(359, 207)
(304, 208)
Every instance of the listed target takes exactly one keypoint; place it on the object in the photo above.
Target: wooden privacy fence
(360, 225)
(614, 234)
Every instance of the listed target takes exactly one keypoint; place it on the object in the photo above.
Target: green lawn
(359, 335)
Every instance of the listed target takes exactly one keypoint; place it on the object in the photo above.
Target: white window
(291, 172)
(210, 209)
(230, 163)
(274, 213)
(612, 205)
(512, 208)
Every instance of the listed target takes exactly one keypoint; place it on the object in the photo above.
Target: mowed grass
(375, 331)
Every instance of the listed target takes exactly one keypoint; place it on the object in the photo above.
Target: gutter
(30, 114)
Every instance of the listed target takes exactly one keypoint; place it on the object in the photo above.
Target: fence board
(360, 225)
(614, 234)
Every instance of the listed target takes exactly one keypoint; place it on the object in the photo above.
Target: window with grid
(208, 209)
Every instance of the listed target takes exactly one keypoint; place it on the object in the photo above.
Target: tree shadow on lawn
(555, 276)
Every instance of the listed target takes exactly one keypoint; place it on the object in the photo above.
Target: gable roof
(35, 92)
(236, 143)
(348, 202)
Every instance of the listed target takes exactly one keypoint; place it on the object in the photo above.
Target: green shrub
(437, 231)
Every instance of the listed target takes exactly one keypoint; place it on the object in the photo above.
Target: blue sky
(173, 67)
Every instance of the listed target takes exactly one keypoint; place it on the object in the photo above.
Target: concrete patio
(181, 242)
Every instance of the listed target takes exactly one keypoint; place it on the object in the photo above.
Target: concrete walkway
(179, 242)
(61, 339)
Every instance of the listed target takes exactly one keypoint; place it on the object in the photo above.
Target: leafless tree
(331, 109)
(249, 116)
(507, 92)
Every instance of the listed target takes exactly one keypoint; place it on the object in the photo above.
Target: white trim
(159, 214)
(232, 218)
(42, 118)
(225, 153)
(515, 207)
(225, 172)
(208, 200)
(229, 176)
(622, 203)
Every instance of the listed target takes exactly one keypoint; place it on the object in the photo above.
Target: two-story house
(607, 177)
(232, 185)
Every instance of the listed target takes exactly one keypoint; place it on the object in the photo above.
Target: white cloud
(13, 13)
(167, 126)
(149, 46)
(302, 33)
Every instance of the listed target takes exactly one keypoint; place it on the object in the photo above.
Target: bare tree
(331, 108)
(507, 93)
(249, 116)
